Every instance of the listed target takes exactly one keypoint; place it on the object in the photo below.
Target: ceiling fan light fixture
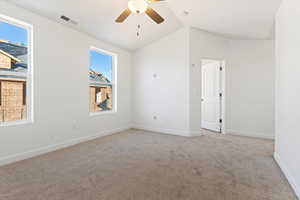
(138, 6)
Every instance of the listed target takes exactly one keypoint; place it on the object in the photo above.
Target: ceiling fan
(140, 6)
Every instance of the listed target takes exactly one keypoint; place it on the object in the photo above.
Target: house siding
(12, 93)
(103, 95)
(5, 61)
(12, 103)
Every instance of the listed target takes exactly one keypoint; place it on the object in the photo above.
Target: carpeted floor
(140, 165)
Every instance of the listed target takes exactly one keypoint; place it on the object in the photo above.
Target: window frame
(113, 82)
(29, 80)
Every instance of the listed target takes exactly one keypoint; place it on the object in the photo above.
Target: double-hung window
(102, 81)
(15, 70)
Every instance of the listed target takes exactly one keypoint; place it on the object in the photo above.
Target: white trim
(196, 133)
(287, 174)
(13, 73)
(14, 21)
(15, 123)
(106, 112)
(54, 147)
(177, 132)
(109, 53)
(98, 84)
(250, 134)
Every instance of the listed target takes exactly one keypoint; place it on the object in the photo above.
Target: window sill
(102, 113)
(15, 123)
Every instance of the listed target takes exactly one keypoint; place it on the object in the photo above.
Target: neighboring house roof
(18, 51)
(18, 70)
(98, 77)
(10, 56)
(13, 49)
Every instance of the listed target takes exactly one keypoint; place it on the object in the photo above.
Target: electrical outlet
(74, 126)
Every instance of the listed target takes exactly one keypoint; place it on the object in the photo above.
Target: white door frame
(222, 90)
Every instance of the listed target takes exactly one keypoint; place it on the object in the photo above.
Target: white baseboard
(287, 174)
(250, 134)
(196, 133)
(54, 147)
(162, 130)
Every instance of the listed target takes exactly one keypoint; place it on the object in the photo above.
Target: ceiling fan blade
(123, 16)
(151, 1)
(154, 15)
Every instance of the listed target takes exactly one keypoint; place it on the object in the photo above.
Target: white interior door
(211, 101)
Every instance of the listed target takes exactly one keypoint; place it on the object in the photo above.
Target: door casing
(222, 90)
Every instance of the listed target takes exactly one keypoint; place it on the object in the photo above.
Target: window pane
(13, 72)
(101, 80)
(101, 98)
(101, 67)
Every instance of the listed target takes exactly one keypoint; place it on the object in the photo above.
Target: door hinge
(221, 120)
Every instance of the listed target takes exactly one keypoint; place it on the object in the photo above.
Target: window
(15, 70)
(102, 81)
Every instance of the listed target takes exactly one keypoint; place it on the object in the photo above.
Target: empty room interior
(149, 100)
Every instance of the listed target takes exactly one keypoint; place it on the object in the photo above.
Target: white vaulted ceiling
(247, 19)
(250, 19)
(97, 18)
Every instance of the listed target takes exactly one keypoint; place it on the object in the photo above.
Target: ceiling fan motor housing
(138, 6)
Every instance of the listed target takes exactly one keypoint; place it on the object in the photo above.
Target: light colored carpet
(140, 165)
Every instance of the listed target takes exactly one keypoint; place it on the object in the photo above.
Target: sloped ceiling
(241, 19)
(250, 19)
(96, 17)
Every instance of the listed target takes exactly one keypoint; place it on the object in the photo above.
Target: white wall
(287, 137)
(166, 95)
(250, 87)
(61, 94)
(175, 95)
(250, 73)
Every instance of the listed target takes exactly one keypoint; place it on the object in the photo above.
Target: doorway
(212, 95)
